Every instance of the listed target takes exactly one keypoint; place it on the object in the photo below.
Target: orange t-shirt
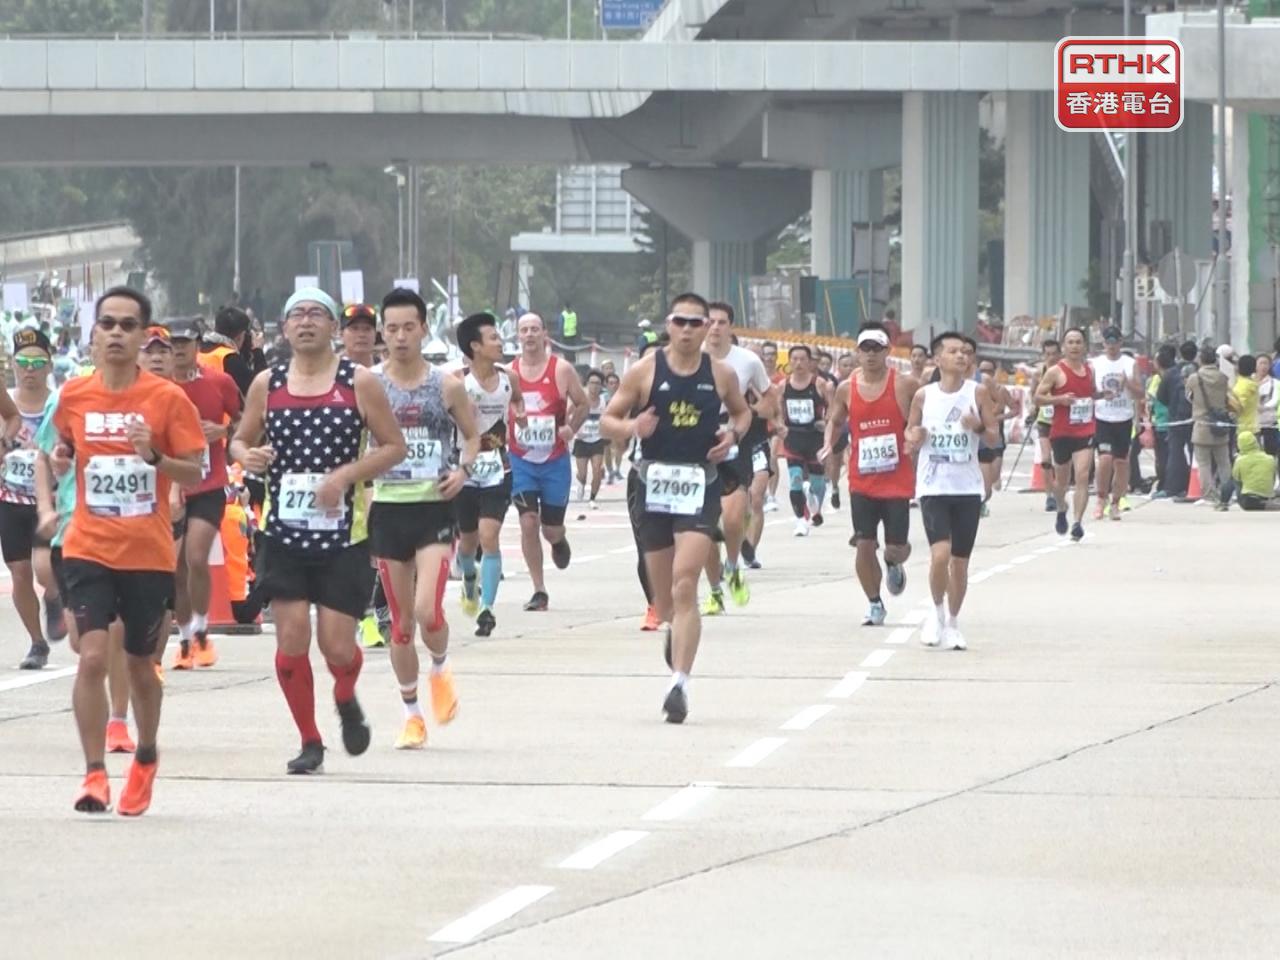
(121, 518)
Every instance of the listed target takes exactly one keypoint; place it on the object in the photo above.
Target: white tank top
(947, 464)
(491, 405)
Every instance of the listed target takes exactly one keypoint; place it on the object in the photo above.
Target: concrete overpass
(24, 257)
(726, 103)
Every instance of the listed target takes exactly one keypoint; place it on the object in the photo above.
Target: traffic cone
(1193, 486)
(221, 619)
(1037, 479)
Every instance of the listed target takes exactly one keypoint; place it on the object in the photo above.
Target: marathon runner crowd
(363, 473)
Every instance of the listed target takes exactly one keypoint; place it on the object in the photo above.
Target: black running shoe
(37, 657)
(55, 624)
(748, 552)
(1060, 525)
(666, 649)
(560, 554)
(1077, 532)
(816, 520)
(835, 499)
(310, 760)
(355, 730)
(485, 623)
(676, 706)
(538, 601)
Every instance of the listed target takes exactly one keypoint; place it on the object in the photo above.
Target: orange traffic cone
(221, 619)
(1193, 487)
(1037, 479)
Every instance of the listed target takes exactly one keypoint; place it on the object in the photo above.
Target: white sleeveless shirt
(947, 464)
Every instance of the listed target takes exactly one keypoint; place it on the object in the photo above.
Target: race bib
(487, 470)
(539, 435)
(205, 465)
(298, 507)
(590, 432)
(119, 487)
(674, 488)
(760, 460)
(20, 472)
(878, 454)
(950, 443)
(1081, 410)
(422, 462)
(800, 411)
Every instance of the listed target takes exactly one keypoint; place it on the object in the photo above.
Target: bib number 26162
(674, 488)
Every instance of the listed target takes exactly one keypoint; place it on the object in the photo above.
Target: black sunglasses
(680, 320)
(128, 324)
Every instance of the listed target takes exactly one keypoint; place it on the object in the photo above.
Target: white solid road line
(900, 635)
(877, 658)
(981, 577)
(34, 677)
(495, 911)
(851, 682)
(807, 717)
(756, 752)
(681, 802)
(1001, 568)
(588, 858)
(1047, 550)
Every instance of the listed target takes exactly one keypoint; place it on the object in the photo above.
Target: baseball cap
(31, 337)
(158, 334)
(184, 328)
(873, 336)
(1112, 333)
(359, 313)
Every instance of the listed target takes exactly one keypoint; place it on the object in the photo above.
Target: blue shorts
(546, 482)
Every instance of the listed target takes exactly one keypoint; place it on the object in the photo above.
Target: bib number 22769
(674, 488)
(298, 506)
(950, 444)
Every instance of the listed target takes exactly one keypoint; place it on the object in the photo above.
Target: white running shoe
(594, 505)
(582, 492)
(953, 639)
(770, 504)
(931, 632)
(876, 614)
(815, 505)
(802, 527)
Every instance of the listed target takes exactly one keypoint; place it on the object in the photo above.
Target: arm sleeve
(239, 371)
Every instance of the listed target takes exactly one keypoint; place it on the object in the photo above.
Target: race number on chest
(298, 507)
(950, 443)
(878, 454)
(20, 472)
(119, 487)
(539, 434)
(675, 488)
(423, 460)
(487, 469)
(800, 410)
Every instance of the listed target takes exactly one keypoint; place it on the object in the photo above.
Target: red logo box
(1118, 83)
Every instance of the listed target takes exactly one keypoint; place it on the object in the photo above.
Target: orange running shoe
(95, 793)
(137, 789)
(651, 621)
(206, 654)
(414, 734)
(182, 658)
(118, 737)
(444, 700)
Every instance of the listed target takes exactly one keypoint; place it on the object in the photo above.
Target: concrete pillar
(939, 210)
(1046, 209)
(729, 214)
(841, 198)
(1177, 180)
(1255, 262)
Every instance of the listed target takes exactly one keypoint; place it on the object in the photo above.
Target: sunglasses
(358, 311)
(680, 320)
(32, 363)
(314, 313)
(871, 347)
(126, 325)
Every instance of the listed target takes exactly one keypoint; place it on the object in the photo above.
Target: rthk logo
(1118, 83)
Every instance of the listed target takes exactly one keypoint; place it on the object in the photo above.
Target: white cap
(644, 322)
(873, 336)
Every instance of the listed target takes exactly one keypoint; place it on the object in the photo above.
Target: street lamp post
(1222, 311)
(1128, 266)
(235, 275)
(394, 171)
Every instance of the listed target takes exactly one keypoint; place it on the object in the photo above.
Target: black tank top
(688, 411)
(803, 410)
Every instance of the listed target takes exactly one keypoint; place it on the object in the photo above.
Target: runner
(132, 434)
(920, 362)
(588, 445)
(26, 554)
(947, 420)
(1115, 378)
(874, 402)
(678, 390)
(217, 399)
(1044, 421)
(744, 475)
(482, 504)
(1070, 389)
(312, 412)
(845, 366)
(769, 357)
(991, 456)
(805, 398)
(411, 523)
(635, 513)
(613, 452)
(540, 473)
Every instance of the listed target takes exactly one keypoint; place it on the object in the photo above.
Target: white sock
(439, 667)
(951, 620)
(412, 709)
(942, 613)
(199, 622)
(679, 679)
(123, 718)
(185, 631)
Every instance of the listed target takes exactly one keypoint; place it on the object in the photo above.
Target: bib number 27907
(674, 488)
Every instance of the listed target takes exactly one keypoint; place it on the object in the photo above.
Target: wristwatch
(157, 458)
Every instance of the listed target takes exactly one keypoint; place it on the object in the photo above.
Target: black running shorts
(657, 531)
(1113, 439)
(397, 531)
(870, 512)
(340, 580)
(96, 595)
(1064, 448)
(491, 503)
(954, 518)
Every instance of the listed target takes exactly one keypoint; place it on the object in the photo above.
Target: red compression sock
(299, 688)
(344, 678)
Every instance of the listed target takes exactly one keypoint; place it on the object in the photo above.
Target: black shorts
(96, 595)
(584, 450)
(1064, 448)
(397, 531)
(59, 573)
(18, 531)
(1113, 439)
(340, 580)
(209, 506)
(530, 502)
(473, 503)
(736, 474)
(870, 512)
(954, 518)
(842, 441)
(802, 451)
(990, 454)
(657, 531)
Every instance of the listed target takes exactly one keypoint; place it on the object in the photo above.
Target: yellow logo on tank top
(684, 414)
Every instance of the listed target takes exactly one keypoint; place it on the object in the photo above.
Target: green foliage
(70, 16)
